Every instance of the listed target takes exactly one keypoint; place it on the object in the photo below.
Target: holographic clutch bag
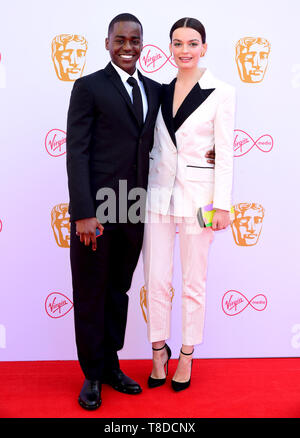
(205, 215)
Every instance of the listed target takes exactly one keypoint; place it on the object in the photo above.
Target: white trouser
(158, 248)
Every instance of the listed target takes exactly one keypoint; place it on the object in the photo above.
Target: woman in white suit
(196, 114)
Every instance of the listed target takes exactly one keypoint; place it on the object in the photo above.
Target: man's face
(252, 62)
(247, 227)
(71, 60)
(125, 44)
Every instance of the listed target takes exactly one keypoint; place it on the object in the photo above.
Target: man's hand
(211, 156)
(86, 229)
(221, 220)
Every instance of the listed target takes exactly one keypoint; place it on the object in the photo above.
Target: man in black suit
(109, 135)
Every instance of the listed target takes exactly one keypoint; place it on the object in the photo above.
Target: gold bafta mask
(68, 56)
(247, 224)
(61, 225)
(252, 58)
(143, 300)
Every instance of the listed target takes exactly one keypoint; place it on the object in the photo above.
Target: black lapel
(192, 101)
(116, 80)
(167, 108)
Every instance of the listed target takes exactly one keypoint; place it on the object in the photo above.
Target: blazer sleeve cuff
(222, 205)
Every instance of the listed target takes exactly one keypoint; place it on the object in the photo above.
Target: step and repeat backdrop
(253, 282)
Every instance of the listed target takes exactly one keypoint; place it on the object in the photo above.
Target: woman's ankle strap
(186, 354)
(157, 349)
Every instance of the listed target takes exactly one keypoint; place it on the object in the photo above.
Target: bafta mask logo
(68, 56)
(247, 224)
(61, 225)
(143, 300)
(252, 58)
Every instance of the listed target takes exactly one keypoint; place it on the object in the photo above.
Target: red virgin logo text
(55, 142)
(57, 305)
(153, 59)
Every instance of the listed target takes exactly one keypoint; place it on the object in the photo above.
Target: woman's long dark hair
(193, 23)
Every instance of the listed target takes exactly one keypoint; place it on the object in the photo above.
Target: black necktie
(137, 99)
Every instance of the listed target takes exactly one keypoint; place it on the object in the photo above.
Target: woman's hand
(221, 219)
(211, 155)
(86, 230)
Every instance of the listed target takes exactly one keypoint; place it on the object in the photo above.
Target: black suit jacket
(104, 140)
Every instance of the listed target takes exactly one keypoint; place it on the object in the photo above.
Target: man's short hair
(123, 17)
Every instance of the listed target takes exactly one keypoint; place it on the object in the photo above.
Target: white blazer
(180, 179)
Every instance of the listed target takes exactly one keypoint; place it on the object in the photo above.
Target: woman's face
(187, 47)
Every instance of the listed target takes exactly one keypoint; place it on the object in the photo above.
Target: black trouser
(101, 280)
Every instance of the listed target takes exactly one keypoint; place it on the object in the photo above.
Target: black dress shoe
(122, 383)
(90, 395)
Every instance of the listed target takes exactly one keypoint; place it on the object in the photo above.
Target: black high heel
(154, 383)
(179, 386)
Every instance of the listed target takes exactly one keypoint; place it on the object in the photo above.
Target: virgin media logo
(153, 59)
(55, 142)
(0, 225)
(244, 143)
(234, 302)
(57, 305)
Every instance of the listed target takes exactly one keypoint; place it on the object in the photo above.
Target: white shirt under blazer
(180, 179)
